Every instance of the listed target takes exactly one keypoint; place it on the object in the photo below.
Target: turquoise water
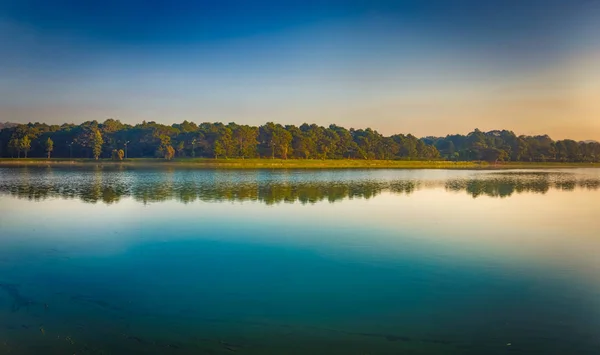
(142, 261)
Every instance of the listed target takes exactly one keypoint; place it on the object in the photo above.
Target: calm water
(117, 261)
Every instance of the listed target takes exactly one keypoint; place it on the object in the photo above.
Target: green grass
(292, 163)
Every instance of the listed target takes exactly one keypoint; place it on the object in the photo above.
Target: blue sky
(425, 67)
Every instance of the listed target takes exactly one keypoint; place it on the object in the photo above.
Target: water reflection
(437, 272)
(110, 186)
(505, 186)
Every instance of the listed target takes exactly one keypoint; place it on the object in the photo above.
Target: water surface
(125, 261)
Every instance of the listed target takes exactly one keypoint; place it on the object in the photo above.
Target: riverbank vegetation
(308, 142)
(236, 163)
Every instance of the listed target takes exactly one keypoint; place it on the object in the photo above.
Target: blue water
(142, 261)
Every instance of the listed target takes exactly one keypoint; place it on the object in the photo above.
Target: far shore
(266, 163)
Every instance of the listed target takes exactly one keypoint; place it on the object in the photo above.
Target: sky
(426, 67)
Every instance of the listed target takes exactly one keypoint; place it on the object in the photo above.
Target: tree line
(112, 139)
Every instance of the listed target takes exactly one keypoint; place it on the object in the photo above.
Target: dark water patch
(90, 300)
(403, 338)
(134, 338)
(18, 300)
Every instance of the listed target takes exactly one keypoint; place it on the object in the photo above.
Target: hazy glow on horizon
(422, 67)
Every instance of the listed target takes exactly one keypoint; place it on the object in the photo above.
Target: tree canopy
(92, 139)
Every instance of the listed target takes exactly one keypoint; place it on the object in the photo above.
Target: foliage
(165, 150)
(25, 145)
(14, 146)
(497, 146)
(117, 154)
(97, 143)
(271, 140)
(169, 152)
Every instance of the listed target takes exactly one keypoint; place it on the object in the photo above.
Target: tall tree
(49, 146)
(218, 149)
(15, 147)
(245, 138)
(165, 149)
(181, 149)
(267, 134)
(282, 140)
(97, 143)
(224, 139)
(25, 145)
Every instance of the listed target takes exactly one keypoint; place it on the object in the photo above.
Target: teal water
(142, 261)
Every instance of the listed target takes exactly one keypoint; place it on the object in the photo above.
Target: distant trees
(271, 140)
(496, 146)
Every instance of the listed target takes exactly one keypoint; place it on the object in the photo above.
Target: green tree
(245, 138)
(97, 143)
(170, 153)
(282, 140)
(25, 145)
(15, 147)
(118, 154)
(493, 155)
(194, 140)
(218, 150)
(49, 146)
(225, 141)
(165, 150)
(327, 141)
(345, 146)
(267, 137)
(181, 149)
(301, 142)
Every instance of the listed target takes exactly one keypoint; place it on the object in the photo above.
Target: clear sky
(427, 67)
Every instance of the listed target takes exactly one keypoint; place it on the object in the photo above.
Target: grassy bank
(290, 164)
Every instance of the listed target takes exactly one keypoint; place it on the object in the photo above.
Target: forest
(112, 139)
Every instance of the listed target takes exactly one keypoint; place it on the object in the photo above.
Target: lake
(108, 260)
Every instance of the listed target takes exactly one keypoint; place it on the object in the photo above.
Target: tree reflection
(98, 185)
(505, 185)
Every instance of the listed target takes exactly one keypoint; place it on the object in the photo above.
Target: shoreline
(206, 163)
